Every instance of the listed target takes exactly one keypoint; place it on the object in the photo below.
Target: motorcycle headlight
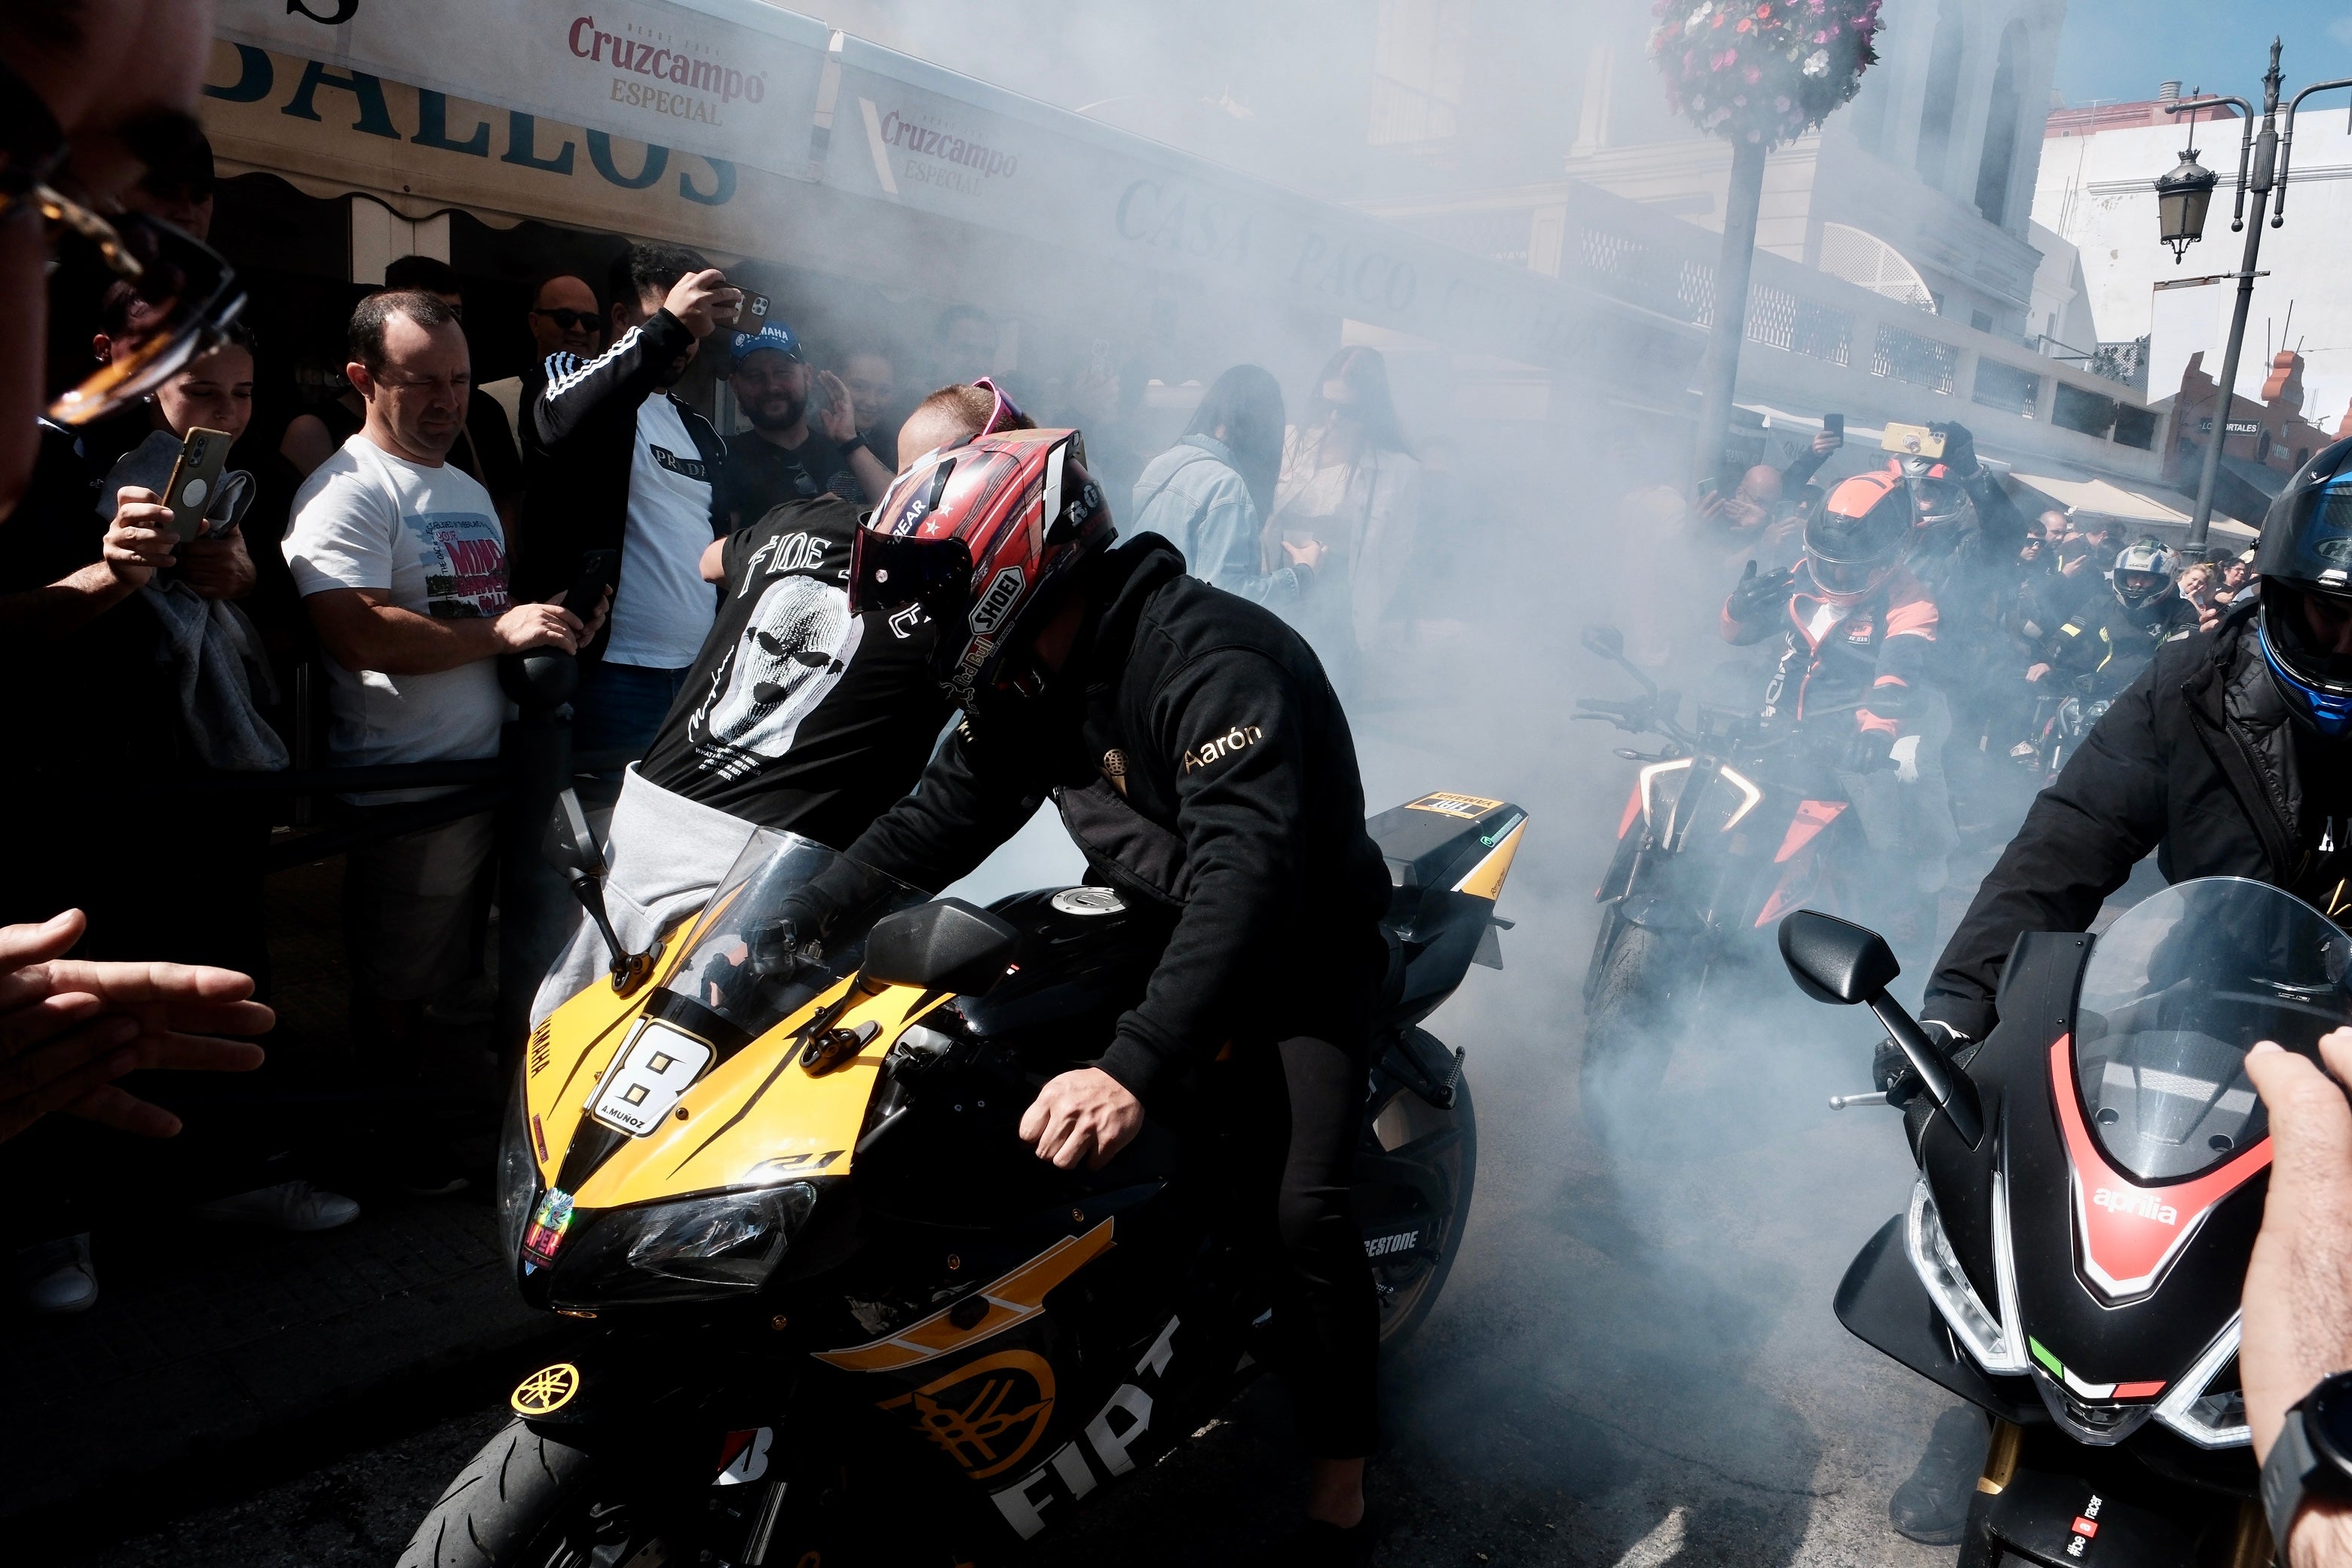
(2207, 1416)
(1992, 1338)
(707, 1249)
(1664, 784)
(518, 1177)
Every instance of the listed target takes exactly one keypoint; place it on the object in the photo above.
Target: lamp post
(2182, 199)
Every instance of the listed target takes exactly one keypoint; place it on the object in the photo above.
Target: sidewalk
(216, 1352)
(207, 1341)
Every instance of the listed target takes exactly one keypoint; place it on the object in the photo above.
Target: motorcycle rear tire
(1396, 1328)
(1628, 1038)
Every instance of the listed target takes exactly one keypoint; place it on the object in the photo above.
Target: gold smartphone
(1912, 441)
(196, 479)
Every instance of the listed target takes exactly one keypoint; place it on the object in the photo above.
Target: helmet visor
(2307, 538)
(2303, 630)
(889, 570)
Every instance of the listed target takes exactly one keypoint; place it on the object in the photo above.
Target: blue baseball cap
(774, 337)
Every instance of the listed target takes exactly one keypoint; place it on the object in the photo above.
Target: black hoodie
(1201, 761)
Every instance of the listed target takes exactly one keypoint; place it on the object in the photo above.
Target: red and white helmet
(981, 534)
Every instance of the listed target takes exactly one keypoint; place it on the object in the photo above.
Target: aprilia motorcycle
(1729, 827)
(2090, 1179)
(841, 1312)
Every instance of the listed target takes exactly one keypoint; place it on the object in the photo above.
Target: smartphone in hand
(599, 571)
(1833, 425)
(195, 479)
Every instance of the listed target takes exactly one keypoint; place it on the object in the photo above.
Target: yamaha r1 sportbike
(840, 1311)
(1727, 827)
(2090, 1179)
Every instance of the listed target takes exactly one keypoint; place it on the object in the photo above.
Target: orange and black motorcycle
(840, 1312)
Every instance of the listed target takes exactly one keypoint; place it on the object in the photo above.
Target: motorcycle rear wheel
(1411, 1291)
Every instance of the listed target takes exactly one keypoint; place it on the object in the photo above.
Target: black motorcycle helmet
(2305, 561)
(1855, 538)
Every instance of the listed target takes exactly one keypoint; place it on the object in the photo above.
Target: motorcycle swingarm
(1881, 1303)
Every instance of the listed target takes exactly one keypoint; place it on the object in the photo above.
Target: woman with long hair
(1210, 493)
(1351, 486)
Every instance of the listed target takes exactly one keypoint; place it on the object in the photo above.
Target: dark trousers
(1298, 1103)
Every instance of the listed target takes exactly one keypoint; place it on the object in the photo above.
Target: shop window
(2136, 427)
(2076, 409)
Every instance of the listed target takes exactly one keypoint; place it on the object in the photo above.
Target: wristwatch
(2313, 1455)
(856, 443)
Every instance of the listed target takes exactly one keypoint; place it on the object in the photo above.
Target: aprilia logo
(2132, 1203)
(997, 600)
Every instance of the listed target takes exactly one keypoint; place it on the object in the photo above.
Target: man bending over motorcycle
(1858, 633)
(2230, 755)
(1203, 763)
(798, 714)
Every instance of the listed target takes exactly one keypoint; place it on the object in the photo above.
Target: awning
(2159, 510)
(744, 129)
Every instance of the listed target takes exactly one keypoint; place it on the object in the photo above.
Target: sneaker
(55, 1278)
(288, 1205)
(1932, 1507)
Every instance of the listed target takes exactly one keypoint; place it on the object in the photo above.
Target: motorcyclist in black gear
(1203, 763)
(2109, 639)
(2231, 754)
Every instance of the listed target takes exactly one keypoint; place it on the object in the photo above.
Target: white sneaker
(55, 1278)
(288, 1205)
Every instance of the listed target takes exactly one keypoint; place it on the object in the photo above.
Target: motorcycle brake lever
(1843, 1101)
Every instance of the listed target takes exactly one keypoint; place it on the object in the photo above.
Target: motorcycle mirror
(571, 846)
(945, 945)
(1835, 960)
(1608, 642)
(1838, 961)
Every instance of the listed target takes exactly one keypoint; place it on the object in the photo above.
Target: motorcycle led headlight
(1649, 782)
(1749, 795)
(1992, 1337)
(706, 1248)
(2208, 1418)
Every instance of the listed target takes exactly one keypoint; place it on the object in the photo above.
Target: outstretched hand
(68, 1029)
(1083, 1115)
(2298, 1296)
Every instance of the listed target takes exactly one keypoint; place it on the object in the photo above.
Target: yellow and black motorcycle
(841, 1312)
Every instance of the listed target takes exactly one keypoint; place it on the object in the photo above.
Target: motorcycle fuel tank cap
(1088, 902)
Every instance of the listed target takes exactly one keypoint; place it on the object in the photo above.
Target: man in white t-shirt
(403, 567)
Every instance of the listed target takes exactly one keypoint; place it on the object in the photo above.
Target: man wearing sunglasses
(562, 319)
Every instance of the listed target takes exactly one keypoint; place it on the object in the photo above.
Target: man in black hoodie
(1201, 761)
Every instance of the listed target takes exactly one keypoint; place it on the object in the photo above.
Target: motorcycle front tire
(508, 1508)
(1628, 1029)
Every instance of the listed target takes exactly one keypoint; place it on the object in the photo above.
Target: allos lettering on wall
(527, 145)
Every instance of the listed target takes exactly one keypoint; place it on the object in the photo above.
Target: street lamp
(2181, 197)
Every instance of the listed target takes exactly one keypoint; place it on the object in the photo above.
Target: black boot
(1932, 1507)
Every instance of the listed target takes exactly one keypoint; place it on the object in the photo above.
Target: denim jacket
(1192, 496)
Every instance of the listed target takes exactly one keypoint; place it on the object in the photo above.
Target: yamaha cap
(774, 337)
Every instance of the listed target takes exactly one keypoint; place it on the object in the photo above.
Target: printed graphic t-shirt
(429, 537)
(798, 716)
(662, 609)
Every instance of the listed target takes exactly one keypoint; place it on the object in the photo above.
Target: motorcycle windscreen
(2175, 993)
(787, 924)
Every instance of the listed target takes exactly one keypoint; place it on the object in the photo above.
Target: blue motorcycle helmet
(2305, 562)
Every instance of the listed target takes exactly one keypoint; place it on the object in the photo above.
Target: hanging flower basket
(1762, 70)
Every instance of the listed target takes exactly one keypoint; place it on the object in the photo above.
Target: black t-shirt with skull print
(798, 716)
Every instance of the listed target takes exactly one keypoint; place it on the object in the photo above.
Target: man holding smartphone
(612, 460)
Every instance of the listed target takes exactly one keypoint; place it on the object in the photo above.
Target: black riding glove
(1959, 452)
(1869, 752)
(1755, 594)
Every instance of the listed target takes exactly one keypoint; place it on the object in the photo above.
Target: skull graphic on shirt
(800, 639)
